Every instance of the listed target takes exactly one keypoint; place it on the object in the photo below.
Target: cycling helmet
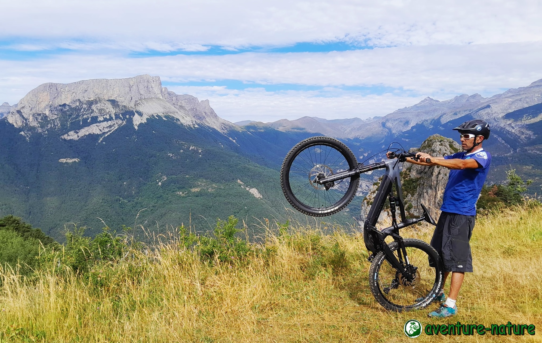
(477, 127)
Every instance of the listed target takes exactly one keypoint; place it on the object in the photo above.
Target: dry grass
(284, 294)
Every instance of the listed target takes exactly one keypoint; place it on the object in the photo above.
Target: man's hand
(422, 156)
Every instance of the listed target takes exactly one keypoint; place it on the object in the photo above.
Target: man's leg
(444, 280)
(457, 281)
(448, 308)
(436, 242)
(455, 286)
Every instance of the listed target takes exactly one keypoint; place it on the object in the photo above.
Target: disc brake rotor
(319, 171)
(404, 282)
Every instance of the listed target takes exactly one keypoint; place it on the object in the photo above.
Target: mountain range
(511, 112)
(131, 152)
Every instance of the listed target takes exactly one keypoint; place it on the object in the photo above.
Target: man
(468, 171)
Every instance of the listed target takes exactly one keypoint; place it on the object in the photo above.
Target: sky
(271, 60)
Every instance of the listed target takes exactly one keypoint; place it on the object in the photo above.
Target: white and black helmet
(477, 127)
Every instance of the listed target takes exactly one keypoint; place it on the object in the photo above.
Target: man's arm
(433, 159)
(454, 163)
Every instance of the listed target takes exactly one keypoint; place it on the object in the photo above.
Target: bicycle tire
(309, 155)
(406, 297)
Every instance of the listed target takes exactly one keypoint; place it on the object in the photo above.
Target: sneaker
(441, 298)
(443, 311)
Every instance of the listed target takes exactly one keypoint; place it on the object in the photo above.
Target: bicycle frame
(375, 239)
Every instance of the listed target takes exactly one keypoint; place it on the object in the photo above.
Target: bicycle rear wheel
(310, 158)
(395, 293)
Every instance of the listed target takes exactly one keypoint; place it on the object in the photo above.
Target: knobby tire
(406, 297)
(306, 153)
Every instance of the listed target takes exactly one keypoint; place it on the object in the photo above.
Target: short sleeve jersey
(464, 185)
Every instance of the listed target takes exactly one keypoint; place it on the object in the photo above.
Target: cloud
(403, 72)
(260, 105)
(429, 69)
(104, 45)
(164, 24)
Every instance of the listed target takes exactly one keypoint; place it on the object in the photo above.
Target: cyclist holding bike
(468, 171)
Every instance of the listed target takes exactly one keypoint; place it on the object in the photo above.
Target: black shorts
(451, 240)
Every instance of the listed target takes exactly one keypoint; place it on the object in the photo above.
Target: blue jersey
(464, 185)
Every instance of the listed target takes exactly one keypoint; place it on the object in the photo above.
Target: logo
(482, 154)
(413, 328)
(478, 127)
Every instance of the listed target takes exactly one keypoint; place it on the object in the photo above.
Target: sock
(450, 303)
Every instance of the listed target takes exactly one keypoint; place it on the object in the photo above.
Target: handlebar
(403, 156)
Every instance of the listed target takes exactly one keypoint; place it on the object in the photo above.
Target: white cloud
(98, 46)
(437, 71)
(260, 105)
(430, 70)
(164, 24)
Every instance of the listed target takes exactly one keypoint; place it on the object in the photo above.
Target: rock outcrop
(425, 185)
(421, 185)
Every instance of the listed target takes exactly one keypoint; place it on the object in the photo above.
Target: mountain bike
(320, 177)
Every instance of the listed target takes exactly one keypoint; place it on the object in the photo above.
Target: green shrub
(509, 194)
(20, 245)
(81, 254)
(223, 245)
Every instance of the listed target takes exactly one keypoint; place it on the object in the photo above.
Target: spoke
(311, 162)
(329, 150)
(303, 158)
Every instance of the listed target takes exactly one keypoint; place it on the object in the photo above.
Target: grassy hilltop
(304, 284)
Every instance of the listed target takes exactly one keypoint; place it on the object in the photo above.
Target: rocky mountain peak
(536, 83)
(5, 108)
(104, 99)
(125, 91)
(201, 111)
(427, 101)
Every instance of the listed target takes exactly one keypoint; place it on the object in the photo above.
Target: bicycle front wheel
(393, 291)
(318, 157)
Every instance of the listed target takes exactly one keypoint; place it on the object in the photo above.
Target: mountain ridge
(492, 109)
(144, 95)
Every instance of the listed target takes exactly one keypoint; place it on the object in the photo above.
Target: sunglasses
(466, 135)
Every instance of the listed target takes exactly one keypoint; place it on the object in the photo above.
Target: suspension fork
(401, 251)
